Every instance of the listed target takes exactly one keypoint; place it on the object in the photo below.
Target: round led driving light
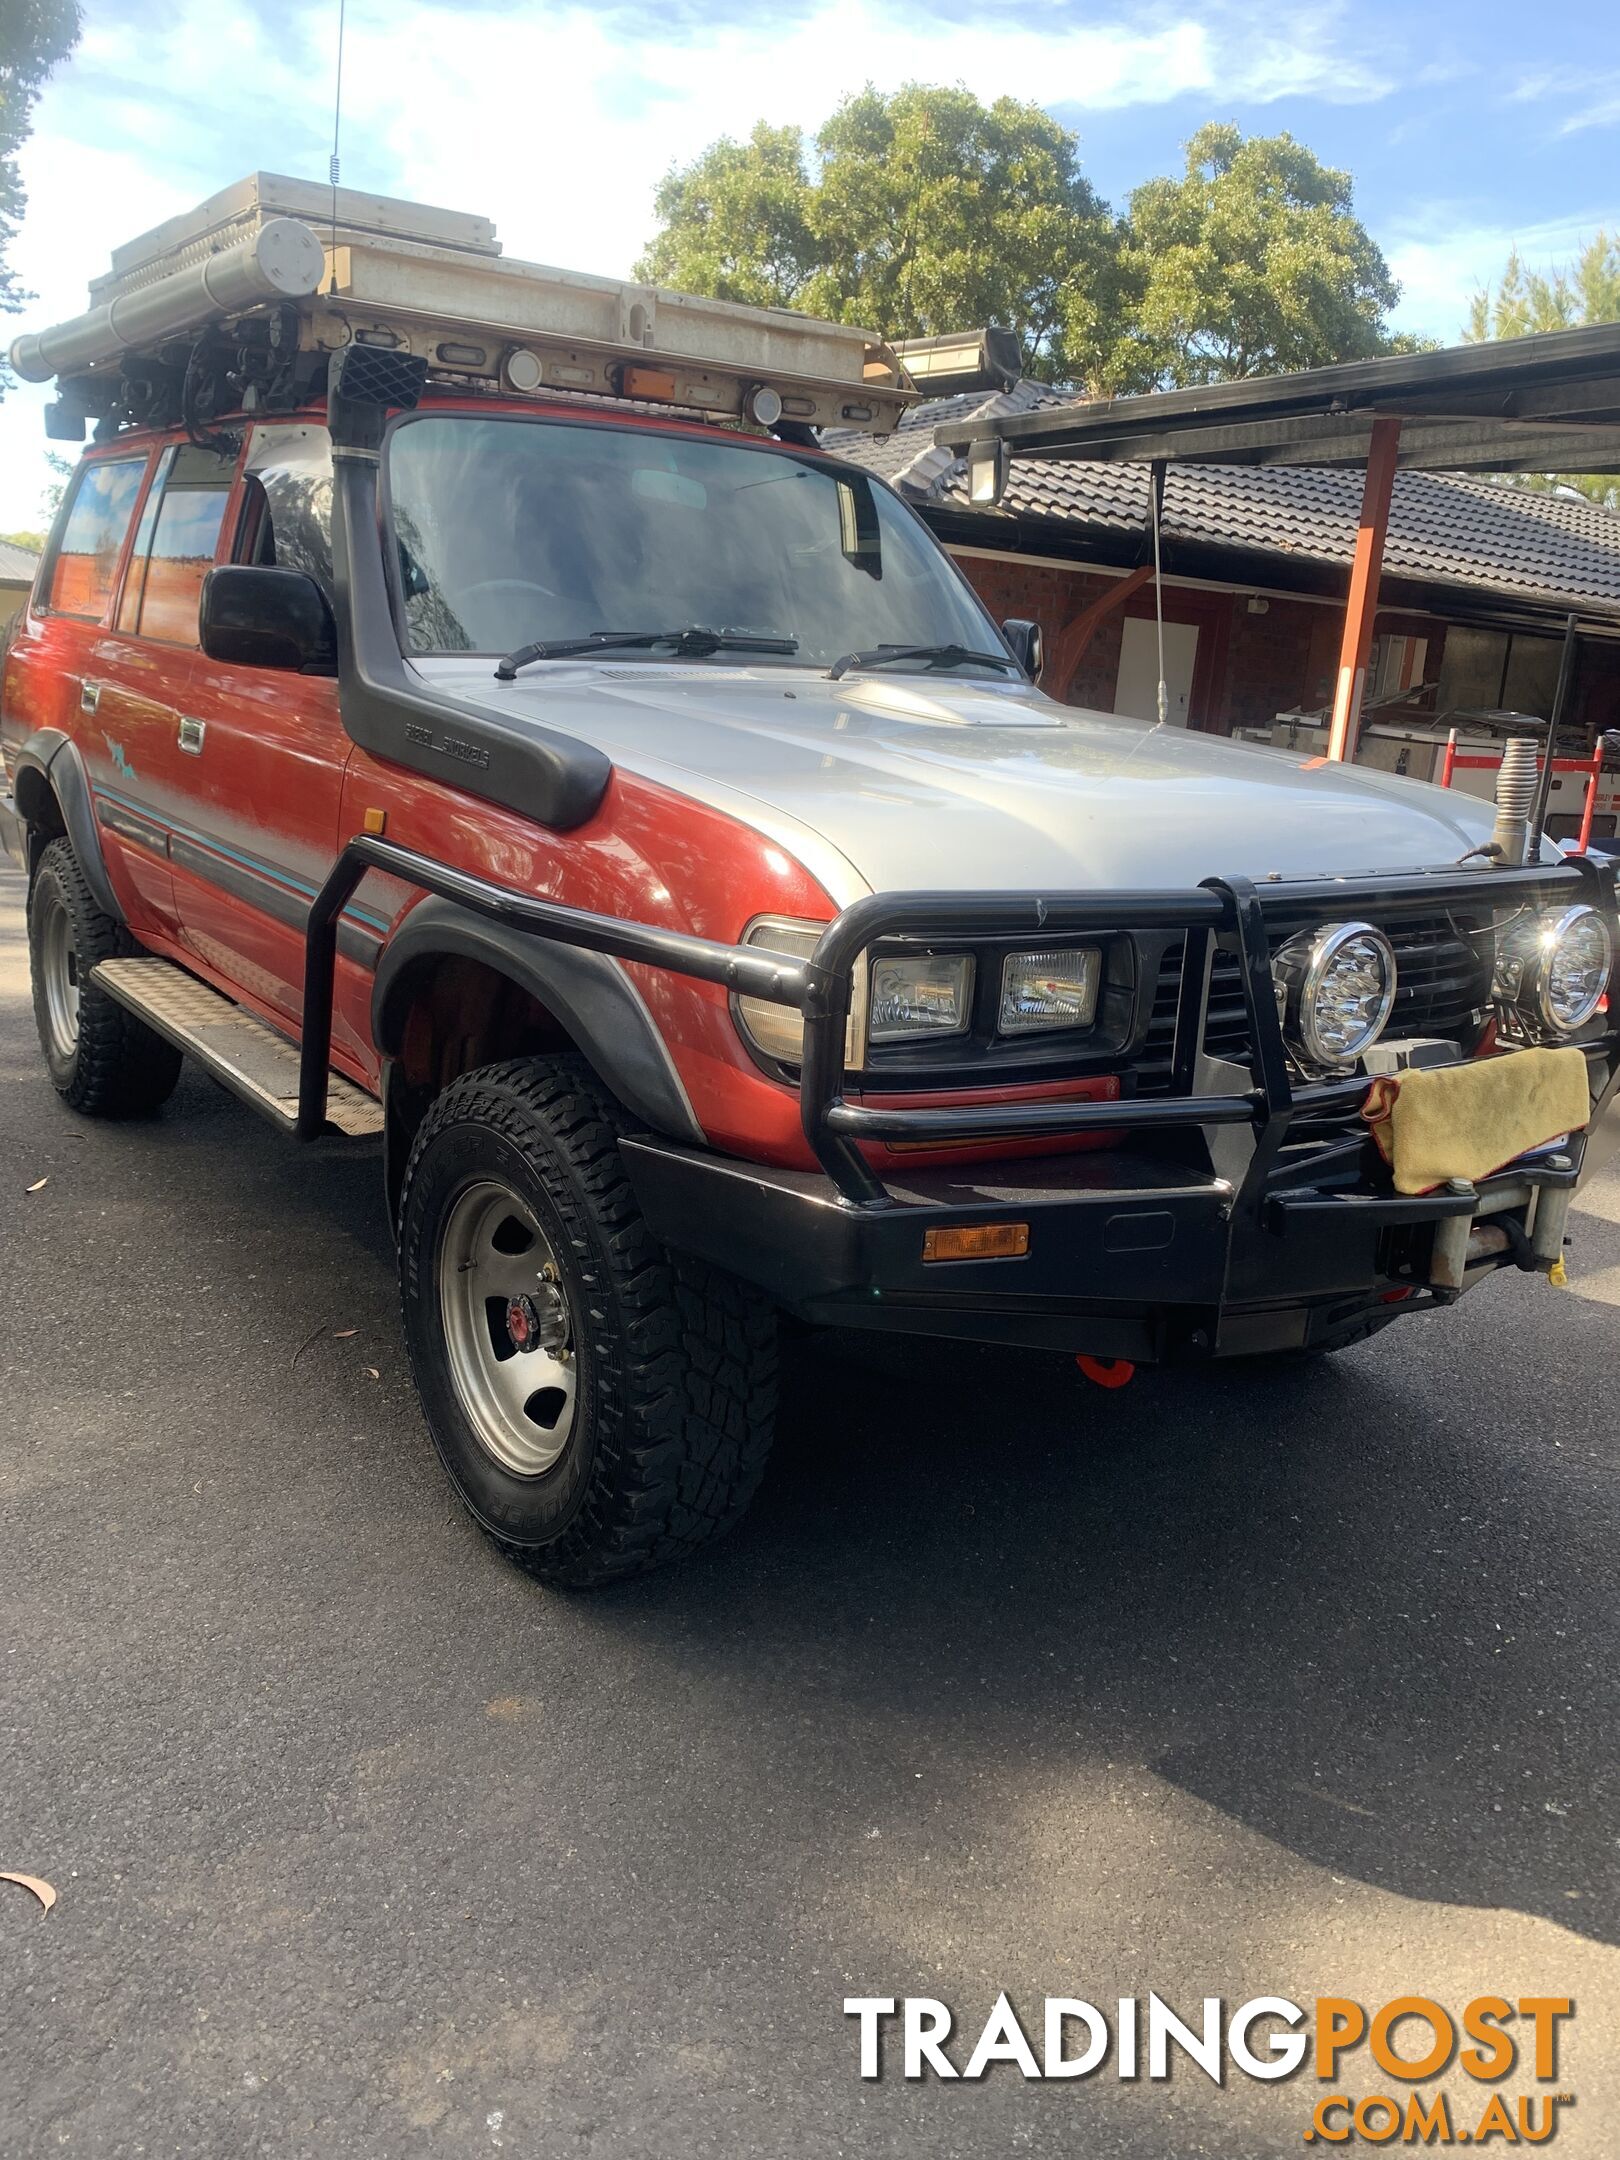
(1575, 975)
(1555, 968)
(1337, 989)
(764, 405)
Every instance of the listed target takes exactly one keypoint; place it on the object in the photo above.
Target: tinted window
(511, 530)
(129, 605)
(184, 537)
(81, 578)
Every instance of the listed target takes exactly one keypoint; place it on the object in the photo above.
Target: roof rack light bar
(433, 286)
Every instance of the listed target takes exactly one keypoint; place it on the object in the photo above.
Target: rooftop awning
(1548, 403)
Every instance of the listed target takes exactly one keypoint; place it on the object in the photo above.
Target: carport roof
(1477, 536)
(1548, 403)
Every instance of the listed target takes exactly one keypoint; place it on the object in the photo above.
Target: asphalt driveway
(366, 1845)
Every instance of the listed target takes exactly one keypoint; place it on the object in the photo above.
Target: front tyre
(600, 1405)
(102, 1060)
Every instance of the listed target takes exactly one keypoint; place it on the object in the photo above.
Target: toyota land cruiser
(464, 705)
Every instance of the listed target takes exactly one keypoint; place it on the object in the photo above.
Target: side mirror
(267, 618)
(1025, 640)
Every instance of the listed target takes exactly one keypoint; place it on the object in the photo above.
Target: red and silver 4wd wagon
(463, 703)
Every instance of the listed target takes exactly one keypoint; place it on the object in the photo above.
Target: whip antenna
(1156, 502)
(334, 166)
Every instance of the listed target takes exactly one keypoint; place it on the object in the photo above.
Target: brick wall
(1269, 661)
(1252, 664)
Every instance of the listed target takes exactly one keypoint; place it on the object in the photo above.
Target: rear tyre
(102, 1060)
(601, 1406)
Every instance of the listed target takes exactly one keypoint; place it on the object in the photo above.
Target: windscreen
(513, 530)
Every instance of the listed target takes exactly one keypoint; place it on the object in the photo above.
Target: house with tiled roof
(17, 567)
(1479, 578)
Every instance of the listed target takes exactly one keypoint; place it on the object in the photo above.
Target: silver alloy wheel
(59, 974)
(507, 1328)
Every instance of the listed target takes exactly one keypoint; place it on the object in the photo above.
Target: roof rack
(274, 274)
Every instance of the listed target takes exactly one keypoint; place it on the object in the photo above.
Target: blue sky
(557, 119)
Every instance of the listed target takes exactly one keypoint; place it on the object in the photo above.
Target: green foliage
(61, 472)
(918, 212)
(34, 36)
(937, 213)
(33, 541)
(1562, 298)
(1524, 301)
(926, 211)
(1251, 262)
(735, 223)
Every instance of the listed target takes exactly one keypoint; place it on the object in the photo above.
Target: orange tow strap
(1107, 1372)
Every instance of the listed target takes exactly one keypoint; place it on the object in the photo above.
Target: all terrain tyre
(600, 1405)
(102, 1060)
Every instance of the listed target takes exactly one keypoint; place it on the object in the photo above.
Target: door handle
(191, 736)
(89, 696)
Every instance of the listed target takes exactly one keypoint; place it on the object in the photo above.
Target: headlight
(1555, 968)
(929, 995)
(1336, 988)
(1049, 990)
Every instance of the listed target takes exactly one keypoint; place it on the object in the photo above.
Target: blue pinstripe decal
(256, 863)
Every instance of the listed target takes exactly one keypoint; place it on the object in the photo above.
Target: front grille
(1443, 967)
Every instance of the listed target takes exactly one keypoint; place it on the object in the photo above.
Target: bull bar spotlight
(1553, 968)
(1335, 992)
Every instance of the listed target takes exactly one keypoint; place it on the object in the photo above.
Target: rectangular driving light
(977, 1241)
(1049, 990)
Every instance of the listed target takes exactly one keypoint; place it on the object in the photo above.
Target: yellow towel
(1464, 1121)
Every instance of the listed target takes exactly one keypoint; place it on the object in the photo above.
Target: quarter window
(86, 560)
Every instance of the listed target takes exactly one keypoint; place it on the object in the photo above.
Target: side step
(244, 1055)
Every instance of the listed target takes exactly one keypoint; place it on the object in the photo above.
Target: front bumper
(1130, 1255)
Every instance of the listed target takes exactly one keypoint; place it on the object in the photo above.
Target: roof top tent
(275, 274)
(1537, 404)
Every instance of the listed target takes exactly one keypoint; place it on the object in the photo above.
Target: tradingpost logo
(1507, 2044)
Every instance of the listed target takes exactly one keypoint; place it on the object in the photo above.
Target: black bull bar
(1136, 1255)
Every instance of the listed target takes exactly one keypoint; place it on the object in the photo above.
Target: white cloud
(1588, 97)
(558, 120)
(1443, 263)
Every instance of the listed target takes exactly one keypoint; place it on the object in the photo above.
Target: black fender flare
(50, 763)
(588, 993)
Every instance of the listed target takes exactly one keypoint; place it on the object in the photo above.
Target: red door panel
(262, 822)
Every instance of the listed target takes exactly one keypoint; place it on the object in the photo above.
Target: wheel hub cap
(508, 1328)
(59, 967)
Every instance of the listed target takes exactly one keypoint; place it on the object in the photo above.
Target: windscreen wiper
(694, 643)
(937, 656)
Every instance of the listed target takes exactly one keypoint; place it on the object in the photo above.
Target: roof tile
(1446, 528)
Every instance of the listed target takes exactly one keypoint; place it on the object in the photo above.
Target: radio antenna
(1156, 503)
(334, 167)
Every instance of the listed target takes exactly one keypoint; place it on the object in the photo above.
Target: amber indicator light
(646, 382)
(978, 1241)
(375, 821)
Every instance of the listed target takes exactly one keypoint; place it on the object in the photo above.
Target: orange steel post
(1449, 762)
(1364, 575)
(1585, 841)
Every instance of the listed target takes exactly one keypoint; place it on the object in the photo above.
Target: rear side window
(85, 564)
(177, 544)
